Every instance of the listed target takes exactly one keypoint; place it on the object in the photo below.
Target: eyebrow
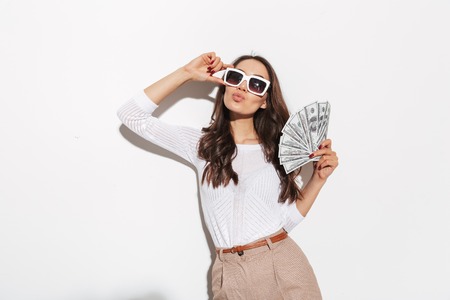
(253, 74)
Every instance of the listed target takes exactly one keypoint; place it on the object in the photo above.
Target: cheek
(229, 90)
(260, 101)
(227, 95)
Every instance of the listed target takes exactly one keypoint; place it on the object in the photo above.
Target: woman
(248, 200)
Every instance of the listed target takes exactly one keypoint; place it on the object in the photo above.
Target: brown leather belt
(240, 249)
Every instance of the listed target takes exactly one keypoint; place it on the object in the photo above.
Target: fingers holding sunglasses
(216, 78)
(197, 68)
(208, 58)
(217, 65)
(202, 67)
(216, 70)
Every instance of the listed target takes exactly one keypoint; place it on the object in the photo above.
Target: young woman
(248, 200)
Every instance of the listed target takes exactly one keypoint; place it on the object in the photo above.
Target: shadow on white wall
(194, 90)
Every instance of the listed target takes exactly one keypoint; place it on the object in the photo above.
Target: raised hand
(203, 67)
(199, 69)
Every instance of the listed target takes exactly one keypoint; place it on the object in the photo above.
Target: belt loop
(220, 254)
(269, 243)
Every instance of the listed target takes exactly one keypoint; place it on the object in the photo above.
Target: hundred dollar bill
(294, 164)
(304, 124)
(287, 140)
(295, 123)
(290, 131)
(322, 107)
(286, 159)
(312, 117)
(289, 151)
(291, 128)
(327, 117)
(324, 126)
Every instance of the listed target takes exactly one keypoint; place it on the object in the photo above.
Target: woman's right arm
(136, 114)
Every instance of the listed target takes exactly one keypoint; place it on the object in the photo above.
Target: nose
(243, 86)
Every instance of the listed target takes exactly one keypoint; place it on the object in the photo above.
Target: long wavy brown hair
(218, 149)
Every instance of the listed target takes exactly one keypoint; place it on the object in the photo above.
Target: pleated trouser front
(277, 271)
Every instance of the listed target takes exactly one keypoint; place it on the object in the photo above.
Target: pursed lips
(237, 97)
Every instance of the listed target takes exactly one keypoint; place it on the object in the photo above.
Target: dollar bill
(289, 141)
(294, 164)
(312, 117)
(290, 151)
(304, 124)
(292, 128)
(287, 158)
(322, 120)
(323, 131)
(296, 124)
(290, 131)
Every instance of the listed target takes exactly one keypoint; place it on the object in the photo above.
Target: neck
(244, 131)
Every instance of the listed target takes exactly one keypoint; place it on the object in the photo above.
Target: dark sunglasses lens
(256, 85)
(233, 78)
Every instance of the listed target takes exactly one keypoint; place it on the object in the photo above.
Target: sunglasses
(255, 84)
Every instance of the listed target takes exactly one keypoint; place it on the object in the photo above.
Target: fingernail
(320, 147)
(212, 62)
(311, 155)
(209, 68)
(212, 72)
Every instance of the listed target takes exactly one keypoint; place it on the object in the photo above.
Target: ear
(264, 105)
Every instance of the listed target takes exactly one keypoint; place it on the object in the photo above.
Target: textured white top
(235, 214)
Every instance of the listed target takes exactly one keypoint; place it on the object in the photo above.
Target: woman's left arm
(322, 170)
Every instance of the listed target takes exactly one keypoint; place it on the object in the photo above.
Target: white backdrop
(89, 211)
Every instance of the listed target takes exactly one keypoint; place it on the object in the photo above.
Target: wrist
(317, 179)
(183, 74)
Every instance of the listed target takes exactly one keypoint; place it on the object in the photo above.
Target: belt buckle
(233, 250)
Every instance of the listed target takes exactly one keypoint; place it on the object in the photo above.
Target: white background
(88, 211)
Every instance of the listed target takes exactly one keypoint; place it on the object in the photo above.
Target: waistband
(240, 249)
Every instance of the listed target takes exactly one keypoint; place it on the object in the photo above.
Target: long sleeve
(136, 114)
(292, 215)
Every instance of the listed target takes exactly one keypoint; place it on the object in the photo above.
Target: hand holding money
(328, 161)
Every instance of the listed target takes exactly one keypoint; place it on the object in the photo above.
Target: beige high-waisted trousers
(276, 271)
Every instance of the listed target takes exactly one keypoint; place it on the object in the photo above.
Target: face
(240, 102)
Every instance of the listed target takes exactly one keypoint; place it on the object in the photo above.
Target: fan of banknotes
(302, 135)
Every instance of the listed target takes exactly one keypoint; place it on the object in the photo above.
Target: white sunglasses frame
(247, 79)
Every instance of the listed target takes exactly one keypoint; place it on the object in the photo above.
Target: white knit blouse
(235, 214)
